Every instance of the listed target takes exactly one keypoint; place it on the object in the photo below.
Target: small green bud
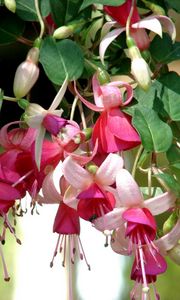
(92, 168)
(63, 32)
(170, 223)
(130, 42)
(87, 132)
(11, 5)
(23, 103)
(102, 76)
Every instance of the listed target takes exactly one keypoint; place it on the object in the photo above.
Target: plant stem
(10, 98)
(36, 3)
(136, 160)
(129, 19)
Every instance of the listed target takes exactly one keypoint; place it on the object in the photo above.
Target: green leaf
(155, 134)
(60, 59)
(173, 156)
(103, 2)
(170, 94)
(64, 11)
(163, 50)
(175, 4)
(11, 27)
(171, 182)
(26, 9)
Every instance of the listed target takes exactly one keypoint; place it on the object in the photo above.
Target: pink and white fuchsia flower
(133, 218)
(113, 128)
(90, 188)
(153, 23)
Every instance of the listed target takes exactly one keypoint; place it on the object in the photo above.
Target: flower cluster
(109, 152)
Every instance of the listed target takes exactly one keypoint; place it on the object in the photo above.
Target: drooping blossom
(133, 218)
(113, 128)
(90, 188)
(35, 115)
(66, 223)
(137, 26)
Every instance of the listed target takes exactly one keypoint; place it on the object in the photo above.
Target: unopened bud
(23, 103)
(26, 74)
(156, 9)
(139, 68)
(11, 5)
(174, 254)
(63, 32)
(103, 76)
(92, 168)
(170, 223)
(87, 132)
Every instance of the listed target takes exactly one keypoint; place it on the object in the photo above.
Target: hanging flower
(120, 14)
(90, 190)
(113, 128)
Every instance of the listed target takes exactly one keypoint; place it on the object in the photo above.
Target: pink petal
(87, 103)
(70, 197)
(110, 221)
(119, 243)
(53, 123)
(128, 191)
(76, 175)
(98, 97)
(111, 96)
(50, 193)
(168, 241)
(106, 173)
(83, 160)
(120, 126)
(168, 25)
(160, 203)
(129, 90)
(107, 40)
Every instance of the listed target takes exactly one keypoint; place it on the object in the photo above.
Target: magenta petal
(5, 206)
(120, 126)
(53, 123)
(140, 216)
(7, 192)
(66, 220)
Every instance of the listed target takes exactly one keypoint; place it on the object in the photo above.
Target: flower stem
(129, 19)
(41, 22)
(10, 98)
(136, 160)
(73, 108)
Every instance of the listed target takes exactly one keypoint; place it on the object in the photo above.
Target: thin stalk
(41, 22)
(7, 98)
(73, 108)
(82, 115)
(129, 19)
(136, 160)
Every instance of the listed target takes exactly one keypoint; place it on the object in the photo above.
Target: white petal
(168, 241)
(76, 175)
(168, 25)
(129, 193)
(49, 190)
(161, 203)
(107, 40)
(110, 221)
(59, 95)
(106, 174)
(150, 23)
(38, 145)
(119, 243)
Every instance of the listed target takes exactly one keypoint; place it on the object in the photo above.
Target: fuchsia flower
(90, 189)
(66, 222)
(137, 32)
(133, 219)
(113, 128)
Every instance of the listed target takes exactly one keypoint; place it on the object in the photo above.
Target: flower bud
(26, 74)
(11, 5)
(156, 9)
(88, 133)
(174, 254)
(103, 76)
(170, 223)
(92, 168)
(139, 68)
(63, 32)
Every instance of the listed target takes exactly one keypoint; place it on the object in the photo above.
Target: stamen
(88, 265)
(55, 252)
(6, 275)
(64, 252)
(8, 224)
(22, 178)
(145, 288)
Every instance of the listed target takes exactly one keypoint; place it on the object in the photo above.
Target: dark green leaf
(64, 11)
(163, 50)
(152, 129)
(11, 27)
(26, 9)
(60, 59)
(103, 2)
(175, 4)
(173, 156)
(171, 182)
(170, 94)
